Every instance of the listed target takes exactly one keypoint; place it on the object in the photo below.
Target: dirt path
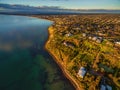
(65, 72)
(96, 60)
(61, 65)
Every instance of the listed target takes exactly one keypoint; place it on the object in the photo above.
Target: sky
(69, 4)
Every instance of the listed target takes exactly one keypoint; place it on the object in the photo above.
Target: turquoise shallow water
(24, 64)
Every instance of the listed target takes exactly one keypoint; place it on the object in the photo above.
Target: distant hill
(22, 9)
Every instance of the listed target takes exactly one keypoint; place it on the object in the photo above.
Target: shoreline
(64, 71)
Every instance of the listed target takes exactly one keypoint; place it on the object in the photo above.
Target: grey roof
(82, 72)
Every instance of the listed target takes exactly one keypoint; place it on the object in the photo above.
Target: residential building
(82, 72)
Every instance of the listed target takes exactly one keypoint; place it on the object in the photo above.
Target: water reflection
(24, 64)
(17, 32)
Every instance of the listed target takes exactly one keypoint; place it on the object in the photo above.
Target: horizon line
(62, 7)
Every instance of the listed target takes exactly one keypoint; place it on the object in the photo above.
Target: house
(94, 38)
(102, 87)
(69, 44)
(90, 37)
(105, 87)
(99, 40)
(65, 44)
(84, 34)
(109, 87)
(68, 35)
(118, 43)
(82, 72)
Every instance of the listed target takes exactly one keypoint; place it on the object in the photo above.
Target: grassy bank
(57, 60)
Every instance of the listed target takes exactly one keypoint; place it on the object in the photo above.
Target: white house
(94, 38)
(117, 42)
(68, 35)
(90, 37)
(105, 87)
(65, 44)
(99, 40)
(82, 72)
(84, 34)
(109, 87)
(102, 87)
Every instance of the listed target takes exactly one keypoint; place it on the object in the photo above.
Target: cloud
(50, 7)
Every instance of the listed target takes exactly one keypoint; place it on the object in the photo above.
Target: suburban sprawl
(87, 47)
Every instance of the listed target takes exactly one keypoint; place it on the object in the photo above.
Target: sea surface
(24, 64)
